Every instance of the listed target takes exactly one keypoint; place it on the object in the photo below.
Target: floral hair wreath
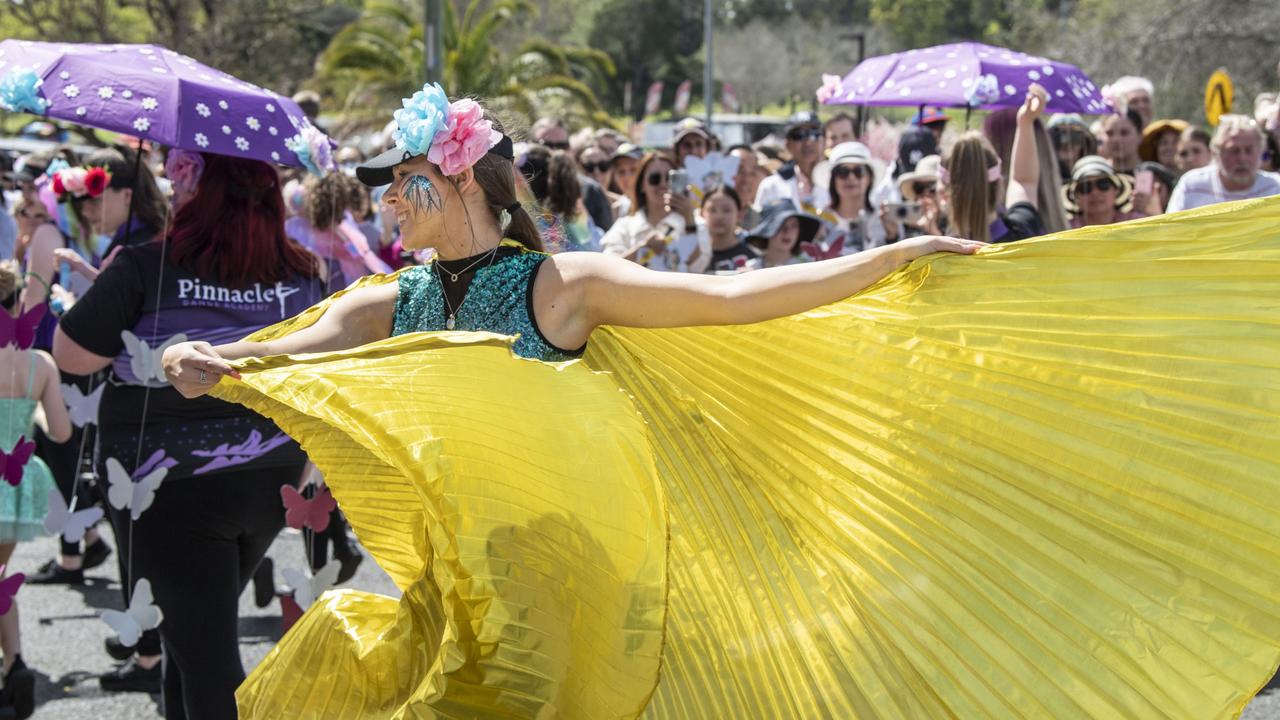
(314, 150)
(80, 182)
(453, 136)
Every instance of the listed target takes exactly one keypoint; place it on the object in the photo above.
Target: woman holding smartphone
(662, 233)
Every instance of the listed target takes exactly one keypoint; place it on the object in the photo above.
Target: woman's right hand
(77, 263)
(193, 368)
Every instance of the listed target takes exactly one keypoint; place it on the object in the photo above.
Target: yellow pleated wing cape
(1043, 482)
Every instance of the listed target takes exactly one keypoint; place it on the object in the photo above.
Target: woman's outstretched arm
(357, 318)
(584, 290)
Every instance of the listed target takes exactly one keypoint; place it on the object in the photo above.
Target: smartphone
(678, 181)
(905, 212)
(1144, 182)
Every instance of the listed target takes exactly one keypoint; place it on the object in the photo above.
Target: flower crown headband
(453, 135)
(79, 182)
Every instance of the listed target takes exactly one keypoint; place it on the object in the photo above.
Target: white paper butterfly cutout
(71, 524)
(142, 615)
(714, 169)
(145, 361)
(82, 408)
(123, 492)
(307, 588)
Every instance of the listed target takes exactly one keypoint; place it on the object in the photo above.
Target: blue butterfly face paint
(421, 196)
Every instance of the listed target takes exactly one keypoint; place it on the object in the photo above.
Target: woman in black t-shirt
(226, 269)
(970, 178)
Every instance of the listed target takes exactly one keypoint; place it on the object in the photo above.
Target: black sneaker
(20, 689)
(56, 575)
(118, 650)
(132, 677)
(264, 583)
(96, 554)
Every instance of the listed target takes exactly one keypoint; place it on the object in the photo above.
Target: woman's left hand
(915, 247)
(1034, 104)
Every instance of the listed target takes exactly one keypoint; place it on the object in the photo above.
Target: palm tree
(378, 59)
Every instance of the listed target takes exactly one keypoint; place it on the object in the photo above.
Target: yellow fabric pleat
(1037, 483)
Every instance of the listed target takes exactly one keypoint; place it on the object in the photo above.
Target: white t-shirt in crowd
(776, 187)
(687, 252)
(1203, 186)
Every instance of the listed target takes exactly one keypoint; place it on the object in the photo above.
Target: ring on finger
(203, 377)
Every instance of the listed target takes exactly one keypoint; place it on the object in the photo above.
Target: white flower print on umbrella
(141, 124)
(242, 144)
(149, 103)
(202, 140)
(202, 109)
(71, 91)
(105, 92)
(253, 123)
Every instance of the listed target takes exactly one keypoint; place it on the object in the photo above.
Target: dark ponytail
(496, 177)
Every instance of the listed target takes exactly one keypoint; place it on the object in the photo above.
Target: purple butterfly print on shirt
(226, 455)
(20, 331)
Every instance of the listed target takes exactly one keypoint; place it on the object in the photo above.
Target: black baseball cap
(379, 170)
(803, 119)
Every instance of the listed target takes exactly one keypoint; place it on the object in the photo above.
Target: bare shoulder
(577, 266)
(46, 368)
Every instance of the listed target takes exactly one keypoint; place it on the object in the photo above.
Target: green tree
(378, 59)
(241, 37)
(922, 23)
(653, 40)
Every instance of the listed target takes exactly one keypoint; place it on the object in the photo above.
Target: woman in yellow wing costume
(1041, 482)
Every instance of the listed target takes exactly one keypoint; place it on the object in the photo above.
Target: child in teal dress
(28, 379)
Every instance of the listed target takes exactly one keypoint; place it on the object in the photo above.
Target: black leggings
(64, 458)
(199, 544)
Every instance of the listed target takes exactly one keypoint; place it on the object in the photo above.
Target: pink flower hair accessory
(464, 139)
(831, 88)
(183, 168)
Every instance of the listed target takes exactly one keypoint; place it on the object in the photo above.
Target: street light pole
(708, 73)
(433, 40)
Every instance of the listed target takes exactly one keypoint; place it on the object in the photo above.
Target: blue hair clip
(422, 116)
(20, 92)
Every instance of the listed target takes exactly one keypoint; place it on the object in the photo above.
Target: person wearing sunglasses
(552, 134)
(662, 232)
(1098, 195)
(794, 181)
(853, 175)
(594, 162)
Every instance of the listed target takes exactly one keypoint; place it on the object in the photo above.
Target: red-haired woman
(226, 268)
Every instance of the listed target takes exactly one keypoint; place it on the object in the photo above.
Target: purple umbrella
(964, 74)
(153, 93)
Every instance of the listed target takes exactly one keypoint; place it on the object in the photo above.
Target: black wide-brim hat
(777, 213)
(380, 169)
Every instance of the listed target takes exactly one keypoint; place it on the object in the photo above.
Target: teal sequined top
(499, 299)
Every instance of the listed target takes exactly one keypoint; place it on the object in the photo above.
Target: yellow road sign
(1218, 96)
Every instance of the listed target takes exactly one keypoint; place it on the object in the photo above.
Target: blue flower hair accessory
(313, 150)
(20, 92)
(985, 90)
(422, 116)
(54, 166)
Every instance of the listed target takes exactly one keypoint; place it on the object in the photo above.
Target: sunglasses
(656, 179)
(1088, 186)
(802, 135)
(924, 188)
(596, 167)
(560, 145)
(844, 171)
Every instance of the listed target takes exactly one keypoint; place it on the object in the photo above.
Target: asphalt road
(62, 637)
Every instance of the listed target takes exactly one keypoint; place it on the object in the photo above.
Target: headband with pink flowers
(994, 173)
(453, 136)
